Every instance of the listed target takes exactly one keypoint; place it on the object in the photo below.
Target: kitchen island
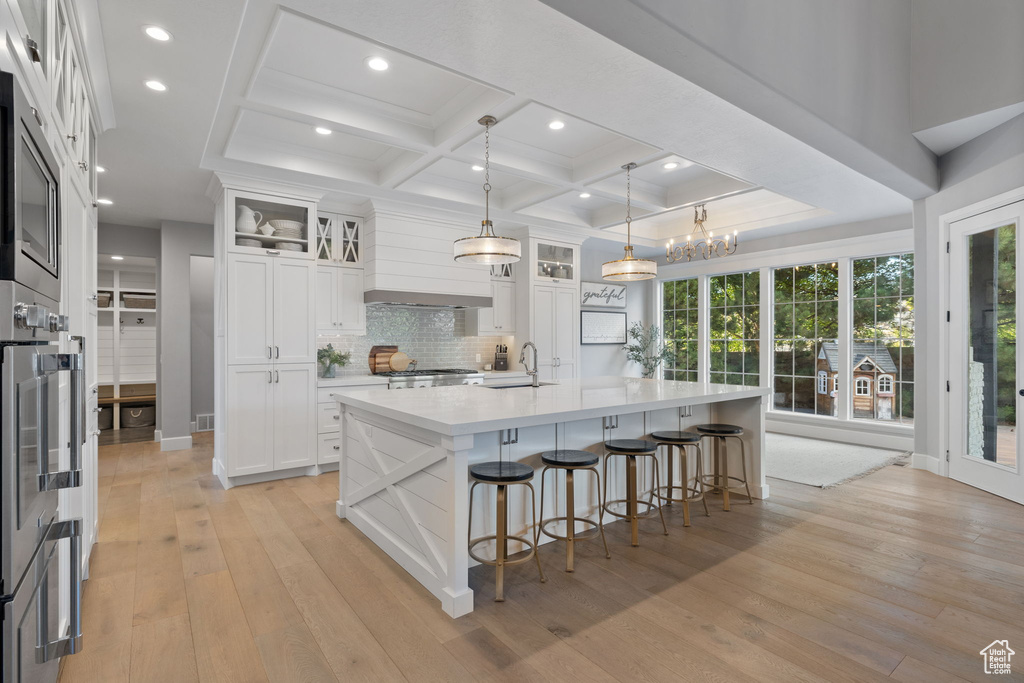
(405, 455)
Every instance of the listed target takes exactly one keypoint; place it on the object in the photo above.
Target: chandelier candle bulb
(706, 243)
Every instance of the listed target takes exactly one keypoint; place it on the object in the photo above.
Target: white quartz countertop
(351, 381)
(471, 409)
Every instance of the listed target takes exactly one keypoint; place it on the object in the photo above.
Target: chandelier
(705, 243)
(629, 268)
(487, 248)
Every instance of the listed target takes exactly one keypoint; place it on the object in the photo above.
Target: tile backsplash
(435, 337)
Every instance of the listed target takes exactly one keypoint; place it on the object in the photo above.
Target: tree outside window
(735, 328)
(679, 304)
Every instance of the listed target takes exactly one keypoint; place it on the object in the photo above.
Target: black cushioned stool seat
(676, 437)
(639, 446)
(570, 462)
(497, 471)
(569, 458)
(719, 429)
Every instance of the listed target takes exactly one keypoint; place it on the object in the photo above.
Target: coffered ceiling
(410, 133)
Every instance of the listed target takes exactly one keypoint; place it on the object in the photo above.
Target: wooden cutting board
(380, 358)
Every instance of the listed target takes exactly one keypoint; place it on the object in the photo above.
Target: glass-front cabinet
(556, 262)
(272, 226)
(339, 239)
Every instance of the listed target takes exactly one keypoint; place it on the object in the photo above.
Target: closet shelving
(126, 338)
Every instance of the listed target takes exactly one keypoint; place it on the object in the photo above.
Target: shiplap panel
(380, 508)
(141, 280)
(428, 488)
(359, 475)
(428, 515)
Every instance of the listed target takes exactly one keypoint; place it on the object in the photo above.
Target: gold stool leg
(723, 454)
(600, 513)
(700, 480)
(631, 500)
(685, 468)
(536, 531)
(657, 485)
(501, 545)
(671, 459)
(570, 519)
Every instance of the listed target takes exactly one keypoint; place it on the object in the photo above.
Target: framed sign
(599, 327)
(602, 295)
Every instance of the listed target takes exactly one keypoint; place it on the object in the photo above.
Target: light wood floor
(900, 575)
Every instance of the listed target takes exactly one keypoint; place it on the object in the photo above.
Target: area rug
(822, 463)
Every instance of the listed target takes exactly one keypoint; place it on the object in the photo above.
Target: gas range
(417, 379)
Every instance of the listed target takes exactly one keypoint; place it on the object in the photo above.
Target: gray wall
(597, 360)
(178, 243)
(985, 167)
(201, 283)
(126, 240)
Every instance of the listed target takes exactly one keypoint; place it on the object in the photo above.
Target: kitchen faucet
(522, 361)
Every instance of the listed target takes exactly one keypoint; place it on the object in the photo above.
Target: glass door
(985, 365)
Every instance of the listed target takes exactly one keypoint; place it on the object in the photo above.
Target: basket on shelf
(138, 416)
(147, 301)
(103, 299)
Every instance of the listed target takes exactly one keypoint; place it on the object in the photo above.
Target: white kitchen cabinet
(250, 419)
(252, 215)
(294, 312)
(555, 261)
(500, 319)
(555, 328)
(294, 415)
(339, 239)
(250, 309)
(339, 300)
(271, 310)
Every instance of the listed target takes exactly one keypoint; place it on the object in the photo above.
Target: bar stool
(631, 449)
(682, 441)
(571, 461)
(503, 474)
(719, 433)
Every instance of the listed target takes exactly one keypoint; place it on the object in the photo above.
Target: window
(835, 384)
(883, 336)
(679, 304)
(806, 326)
(822, 382)
(863, 386)
(735, 328)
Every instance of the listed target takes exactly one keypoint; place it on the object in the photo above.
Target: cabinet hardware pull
(73, 137)
(337, 448)
(274, 252)
(270, 352)
(277, 352)
(336, 417)
(277, 377)
(270, 377)
(33, 50)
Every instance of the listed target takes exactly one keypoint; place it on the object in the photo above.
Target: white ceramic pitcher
(247, 220)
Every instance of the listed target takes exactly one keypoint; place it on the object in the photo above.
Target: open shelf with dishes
(271, 226)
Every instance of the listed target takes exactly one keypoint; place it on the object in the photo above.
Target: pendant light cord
(629, 218)
(487, 179)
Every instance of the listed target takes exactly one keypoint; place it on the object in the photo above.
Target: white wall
(597, 360)
(987, 166)
(178, 243)
(966, 58)
(201, 282)
(126, 240)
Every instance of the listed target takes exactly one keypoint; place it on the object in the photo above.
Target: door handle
(277, 377)
(277, 352)
(337, 448)
(270, 377)
(270, 352)
(72, 363)
(52, 649)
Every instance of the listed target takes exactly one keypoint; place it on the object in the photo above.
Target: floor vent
(204, 423)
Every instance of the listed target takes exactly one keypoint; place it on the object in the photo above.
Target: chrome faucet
(522, 361)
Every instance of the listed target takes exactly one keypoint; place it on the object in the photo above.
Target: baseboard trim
(177, 443)
(261, 477)
(923, 461)
(157, 435)
(861, 435)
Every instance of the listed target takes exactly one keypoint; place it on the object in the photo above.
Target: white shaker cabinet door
(566, 320)
(250, 309)
(351, 309)
(326, 300)
(250, 419)
(294, 311)
(504, 294)
(294, 415)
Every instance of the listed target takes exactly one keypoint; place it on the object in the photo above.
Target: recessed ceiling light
(103, 200)
(100, 169)
(377, 63)
(323, 131)
(584, 195)
(670, 165)
(156, 85)
(556, 125)
(117, 258)
(157, 33)
(477, 167)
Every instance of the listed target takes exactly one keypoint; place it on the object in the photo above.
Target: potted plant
(328, 357)
(647, 348)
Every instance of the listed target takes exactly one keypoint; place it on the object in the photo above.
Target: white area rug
(822, 463)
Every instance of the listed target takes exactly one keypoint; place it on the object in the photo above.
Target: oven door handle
(73, 363)
(72, 643)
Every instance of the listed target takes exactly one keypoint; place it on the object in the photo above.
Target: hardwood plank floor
(900, 575)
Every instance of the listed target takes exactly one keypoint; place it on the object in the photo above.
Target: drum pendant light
(629, 268)
(487, 248)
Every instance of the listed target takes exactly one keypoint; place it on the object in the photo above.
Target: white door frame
(951, 341)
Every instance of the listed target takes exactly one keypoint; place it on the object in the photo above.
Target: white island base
(405, 457)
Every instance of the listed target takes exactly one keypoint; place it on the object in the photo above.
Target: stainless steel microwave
(30, 234)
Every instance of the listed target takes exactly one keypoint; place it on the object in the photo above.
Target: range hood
(383, 297)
